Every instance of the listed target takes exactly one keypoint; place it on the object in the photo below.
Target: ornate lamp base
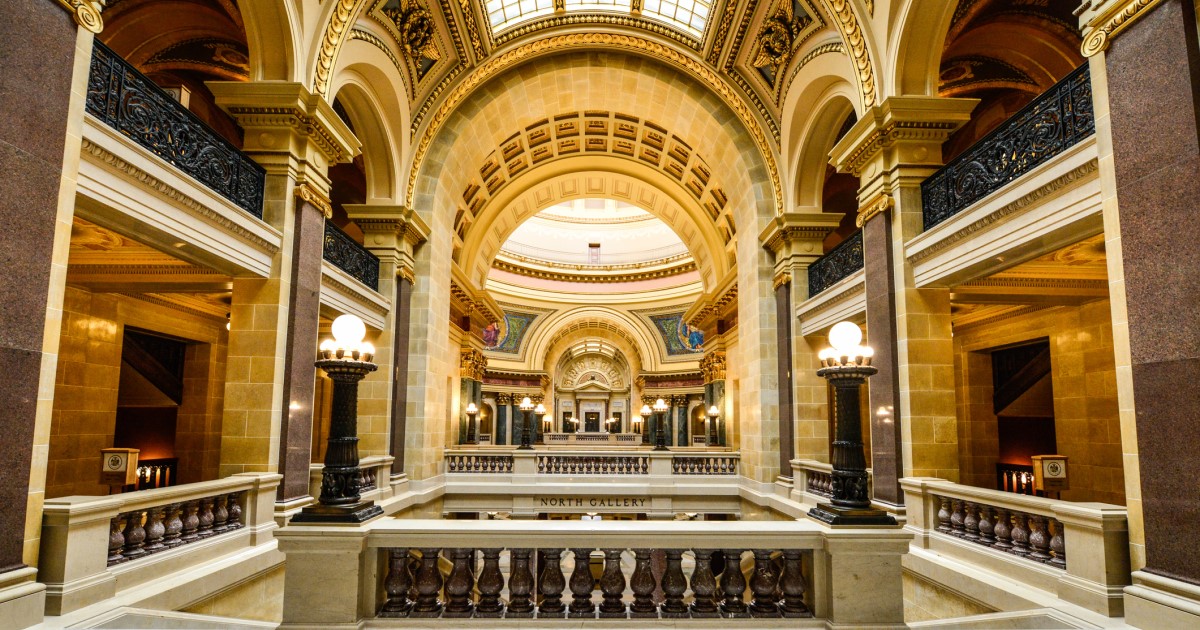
(360, 512)
(835, 515)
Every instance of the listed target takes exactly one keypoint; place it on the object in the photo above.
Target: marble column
(294, 135)
(783, 349)
(42, 92)
(1152, 72)
(892, 148)
(393, 233)
(470, 371)
(501, 432)
(712, 367)
(681, 420)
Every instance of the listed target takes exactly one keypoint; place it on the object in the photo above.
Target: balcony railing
(346, 254)
(490, 462)
(593, 572)
(839, 263)
(1055, 121)
(132, 104)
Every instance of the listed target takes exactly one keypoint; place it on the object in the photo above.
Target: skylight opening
(689, 16)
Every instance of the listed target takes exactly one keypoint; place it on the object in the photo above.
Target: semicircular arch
(273, 38)
(624, 331)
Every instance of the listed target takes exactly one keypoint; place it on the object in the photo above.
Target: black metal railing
(840, 262)
(1055, 121)
(132, 104)
(346, 254)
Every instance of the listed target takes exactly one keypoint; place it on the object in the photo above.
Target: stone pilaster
(295, 136)
(1145, 64)
(892, 148)
(393, 233)
(796, 241)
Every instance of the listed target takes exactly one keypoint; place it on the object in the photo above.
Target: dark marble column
(887, 463)
(401, 310)
(299, 376)
(1154, 97)
(37, 44)
(783, 318)
(500, 434)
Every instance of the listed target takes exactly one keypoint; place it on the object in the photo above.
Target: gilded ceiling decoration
(417, 32)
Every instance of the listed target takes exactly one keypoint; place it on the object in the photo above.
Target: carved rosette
(472, 364)
(713, 366)
(417, 31)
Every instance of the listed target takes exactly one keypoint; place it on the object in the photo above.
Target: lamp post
(713, 415)
(660, 408)
(539, 412)
(346, 359)
(847, 365)
(526, 406)
(547, 426)
(645, 415)
(471, 411)
(608, 424)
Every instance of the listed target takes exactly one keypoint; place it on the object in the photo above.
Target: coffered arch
(564, 329)
(595, 176)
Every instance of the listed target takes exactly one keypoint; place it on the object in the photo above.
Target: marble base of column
(360, 512)
(837, 515)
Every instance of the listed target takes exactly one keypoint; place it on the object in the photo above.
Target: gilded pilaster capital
(86, 13)
(712, 366)
(471, 364)
(1102, 20)
(504, 399)
(882, 202)
(305, 191)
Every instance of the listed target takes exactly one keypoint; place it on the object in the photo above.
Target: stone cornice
(263, 108)
(794, 226)
(389, 219)
(1105, 19)
(173, 194)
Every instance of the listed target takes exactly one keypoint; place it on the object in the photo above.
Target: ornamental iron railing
(132, 104)
(1055, 121)
(346, 254)
(835, 266)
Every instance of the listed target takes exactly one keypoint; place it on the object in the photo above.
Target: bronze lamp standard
(540, 413)
(660, 408)
(713, 415)
(346, 359)
(526, 406)
(640, 421)
(847, 365)
(472, 410)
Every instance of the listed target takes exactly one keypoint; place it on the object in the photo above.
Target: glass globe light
(349, 330)
(540, 409)
(645, 411)
(845, 337)
(472, 409)
(660, 405)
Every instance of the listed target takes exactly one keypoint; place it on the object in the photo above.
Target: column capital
(712, 366)
(472, 364)
(799, 234)
(391, 232)
(288, 129)
(86, 13)
(900, 138)
(1103, 20)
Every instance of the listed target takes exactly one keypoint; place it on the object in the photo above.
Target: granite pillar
(1153, 74)
(39, 48)
(681, 421)
(887, 464)
(401, 306)
(300, 352)
(783, 347)
(500, 435)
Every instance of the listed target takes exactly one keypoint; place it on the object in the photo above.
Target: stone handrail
(1079, 551)
(410, 568)
(94, 547)
(705, 464)
(496, 461)
(592, 464)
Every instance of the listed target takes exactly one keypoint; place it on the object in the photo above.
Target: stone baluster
(704, 585)
(429, 585)
(491, 582)
(957, 516)
(459, 584)
(970, 521)
(1020, 535)
(551, 585)
(173, 526)
(793, 585)
(1039, 539)
(235, 510)
(987, 534)
(1003, 530)
(764, 583)
(155, 530)
(674, 585)
(642, 584)
(520, 584)
(205, 528)
(220, 514)
(135, 535)
(582, 585)
(733, 585)
(612, 586)
(116, 540)
(1058, 546)
(943, 515)
(396, 585)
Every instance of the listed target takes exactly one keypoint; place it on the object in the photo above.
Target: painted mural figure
(491, 335)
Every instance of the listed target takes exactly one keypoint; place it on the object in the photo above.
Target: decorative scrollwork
(344, 253)
(417, 30)
(778, 35)
(1055, 121)
(835, 266)
(129, 102)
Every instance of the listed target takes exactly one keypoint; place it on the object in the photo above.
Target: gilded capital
(86, 13)
(1105, 19)
(471, 364)
(712, 366)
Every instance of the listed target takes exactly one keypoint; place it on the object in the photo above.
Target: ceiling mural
(678, 337)
(506, 337)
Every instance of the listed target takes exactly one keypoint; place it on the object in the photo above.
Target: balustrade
(144, 531)
(346, 254)
(615, 462)
(593, 464)
(1055, 121)
(471, 463)
(704, 465)
(132, 104)
(813, 481)
(836, 265)
(1029, 536)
